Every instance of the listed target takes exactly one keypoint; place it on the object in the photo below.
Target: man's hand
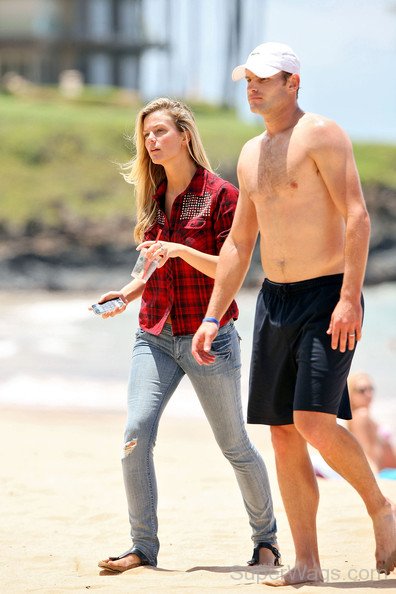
(202, 342)
(346, 325)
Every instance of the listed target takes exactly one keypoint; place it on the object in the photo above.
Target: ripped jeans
(158, 365)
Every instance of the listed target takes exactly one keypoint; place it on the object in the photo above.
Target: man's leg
(300, 496)
(343, 453)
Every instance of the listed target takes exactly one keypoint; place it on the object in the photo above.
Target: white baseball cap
(268, 59)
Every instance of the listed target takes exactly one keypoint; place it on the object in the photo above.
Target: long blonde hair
(143, 173)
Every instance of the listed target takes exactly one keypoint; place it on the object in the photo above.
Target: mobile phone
(100, 308)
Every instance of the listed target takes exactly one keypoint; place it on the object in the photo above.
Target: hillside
(66, 213)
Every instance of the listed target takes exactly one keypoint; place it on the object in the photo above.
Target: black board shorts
(293, 366)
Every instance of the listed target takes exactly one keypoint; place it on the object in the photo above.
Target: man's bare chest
(281, 170)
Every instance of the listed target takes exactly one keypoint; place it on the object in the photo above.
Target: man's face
(265, 94)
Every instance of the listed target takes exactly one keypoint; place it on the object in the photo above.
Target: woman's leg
(154, 376)
(218, 389)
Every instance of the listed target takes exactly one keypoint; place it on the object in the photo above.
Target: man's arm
(234, 261)
(333, 155)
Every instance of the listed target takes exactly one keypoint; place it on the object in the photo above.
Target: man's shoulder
(252, 145)
(319, 129)
(315, 119)
(321, 135)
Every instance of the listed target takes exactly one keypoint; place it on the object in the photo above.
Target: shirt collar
(197, 185)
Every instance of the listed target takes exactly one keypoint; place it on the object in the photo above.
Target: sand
(63, 509)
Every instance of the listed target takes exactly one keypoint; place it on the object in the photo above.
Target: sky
(347, 50)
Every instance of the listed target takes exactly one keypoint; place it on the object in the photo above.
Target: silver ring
(352, 334)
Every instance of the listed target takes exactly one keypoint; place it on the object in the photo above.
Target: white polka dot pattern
(160, 217)
(195, 206)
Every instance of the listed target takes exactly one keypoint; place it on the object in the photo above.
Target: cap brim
(262, 72)
(239, 72)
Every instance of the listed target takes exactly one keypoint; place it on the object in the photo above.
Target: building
(103, 39)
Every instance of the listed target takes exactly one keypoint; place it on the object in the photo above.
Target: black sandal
(265, 545)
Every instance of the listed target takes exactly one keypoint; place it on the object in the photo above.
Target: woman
(375, 440)
(179, 196)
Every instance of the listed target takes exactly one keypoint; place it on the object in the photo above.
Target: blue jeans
(158, 365)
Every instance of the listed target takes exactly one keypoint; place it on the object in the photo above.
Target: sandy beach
(64, 509)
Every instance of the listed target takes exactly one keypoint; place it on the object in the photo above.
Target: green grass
(376, 163)
(58, 158)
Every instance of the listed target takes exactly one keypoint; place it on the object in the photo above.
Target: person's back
(374, 439)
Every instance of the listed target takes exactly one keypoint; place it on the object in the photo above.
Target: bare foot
(384, 523)
(267, 557)
(297, 575)
(119, 565)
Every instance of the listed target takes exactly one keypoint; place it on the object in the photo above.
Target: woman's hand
(115, 311)
(160, 250)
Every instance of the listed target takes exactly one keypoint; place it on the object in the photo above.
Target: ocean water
(56, 353)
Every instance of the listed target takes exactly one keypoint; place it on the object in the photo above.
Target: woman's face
(163, 141)
(361, 391)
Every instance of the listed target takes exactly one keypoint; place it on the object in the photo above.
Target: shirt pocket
(222, 345)
(198, 234)
(198, 223)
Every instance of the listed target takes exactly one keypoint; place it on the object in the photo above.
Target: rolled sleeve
(227, 201)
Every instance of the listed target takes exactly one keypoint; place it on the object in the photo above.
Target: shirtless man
(300, 189)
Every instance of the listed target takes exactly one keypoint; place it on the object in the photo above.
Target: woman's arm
(163, 250)
(128, 293)
(222, 217)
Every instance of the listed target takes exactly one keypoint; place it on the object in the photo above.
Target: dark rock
(80, 254)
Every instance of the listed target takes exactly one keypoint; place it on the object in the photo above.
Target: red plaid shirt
(201, 218)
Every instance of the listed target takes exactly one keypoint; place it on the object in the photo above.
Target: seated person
(375, 440)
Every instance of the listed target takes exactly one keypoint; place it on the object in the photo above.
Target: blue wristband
(214, 320)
